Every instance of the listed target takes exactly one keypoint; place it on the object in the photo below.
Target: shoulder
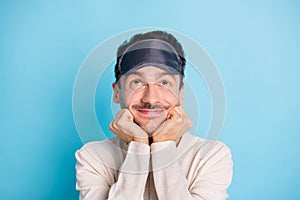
(107, 145)
(109, 152)
(209, 155)
(206, 148)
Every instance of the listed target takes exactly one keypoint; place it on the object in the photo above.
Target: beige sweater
(195, 169)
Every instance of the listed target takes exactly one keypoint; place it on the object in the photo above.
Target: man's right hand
(124, 127)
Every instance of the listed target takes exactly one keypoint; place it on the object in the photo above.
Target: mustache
(149, 106)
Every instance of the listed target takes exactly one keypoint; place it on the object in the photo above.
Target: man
(152, 156)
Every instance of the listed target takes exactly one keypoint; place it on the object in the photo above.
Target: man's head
(153, 35)
(149, 73)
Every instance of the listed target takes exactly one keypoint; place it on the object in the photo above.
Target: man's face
(149, 93)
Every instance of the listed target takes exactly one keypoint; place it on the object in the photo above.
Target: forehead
(151, 72)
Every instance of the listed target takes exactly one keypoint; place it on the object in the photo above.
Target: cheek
(131, 98)
(171, 100)
(171, 97)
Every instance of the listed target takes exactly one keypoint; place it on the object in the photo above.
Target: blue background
(255, 44)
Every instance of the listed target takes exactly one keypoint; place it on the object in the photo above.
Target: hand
(177, 123)
(124, 127)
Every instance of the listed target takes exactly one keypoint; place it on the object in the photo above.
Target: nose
(151, 95)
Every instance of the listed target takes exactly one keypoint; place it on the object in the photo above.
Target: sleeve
(210, 181)
(95, 181)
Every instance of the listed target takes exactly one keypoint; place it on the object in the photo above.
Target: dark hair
(162, 35)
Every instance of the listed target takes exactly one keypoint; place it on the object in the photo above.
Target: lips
(150, 112)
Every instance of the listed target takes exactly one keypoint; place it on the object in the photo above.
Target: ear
(116, 96)
(181, 95)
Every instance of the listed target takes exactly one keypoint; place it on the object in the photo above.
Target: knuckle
(119, 123)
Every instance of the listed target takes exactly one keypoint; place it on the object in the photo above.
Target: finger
(128, 114)
(176, 110)
(166, 129)
(125, 120)
(126, 125)
(120, 114)
(186, 121)
(114, 125)
(117, 117)
(171, 128)
(169, 122)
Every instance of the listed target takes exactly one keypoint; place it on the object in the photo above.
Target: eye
(136, 83)
(165, 83)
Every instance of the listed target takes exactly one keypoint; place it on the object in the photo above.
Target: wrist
(142, 140)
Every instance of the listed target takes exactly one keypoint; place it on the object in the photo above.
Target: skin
(150, 102)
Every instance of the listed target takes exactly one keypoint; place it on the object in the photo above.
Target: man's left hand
(177, 123)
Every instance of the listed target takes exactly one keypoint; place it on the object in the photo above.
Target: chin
(149, 130)
(151, 126)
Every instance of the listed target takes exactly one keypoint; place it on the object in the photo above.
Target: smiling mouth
(151, 112)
